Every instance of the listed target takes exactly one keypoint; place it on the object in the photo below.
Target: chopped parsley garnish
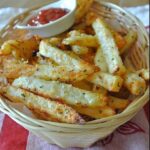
(23, 95)
(41, 86)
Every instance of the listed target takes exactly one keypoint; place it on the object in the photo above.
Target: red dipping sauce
(47, 16)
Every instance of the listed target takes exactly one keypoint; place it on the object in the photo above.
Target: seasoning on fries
(109, 48)
(65, 92)
(51, 109)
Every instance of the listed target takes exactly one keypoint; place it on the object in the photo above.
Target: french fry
(73, 55)
(59, 73)
(85, 85)
(6, 47)
(89, 57)
(62, 58)
(135, 84)
(144, 73)
(45, 61)
(100, 89)
(47, 107)
(20, 49)
(130, 38)
(97, 112)
(109, 48)
(74, 33)
(17, 70)
(82, 40)
(108, 81)
(82, 8)
(12, 68)
(61, 91)
(118, 103)
(100, 60)
(80, 50)
(3, 82)
(120, 40)
(55, 41)
(90, 18)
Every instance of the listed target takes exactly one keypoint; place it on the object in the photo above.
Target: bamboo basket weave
(69, 135)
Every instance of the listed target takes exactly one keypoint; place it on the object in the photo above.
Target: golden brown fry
(90, 18)
(82, 8)
(20, 49)
(73, 55)
(108, 81)
(135, 84)
(89, 57)
(130, 39)
(85, 85)
(100, 89)
(97, 112)
(3, 82)
(12, 68)
(144, 73)
(82, 40)
(55, 41)
(74, 33)
(120, 40)
(45, 107)
(118, 103)
(80, 50)
(15, 71)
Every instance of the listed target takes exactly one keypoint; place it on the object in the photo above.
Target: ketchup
(47, 16)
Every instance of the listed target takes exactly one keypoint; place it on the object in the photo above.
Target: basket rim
(140, 102)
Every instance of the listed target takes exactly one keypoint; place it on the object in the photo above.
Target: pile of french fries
(72, 75)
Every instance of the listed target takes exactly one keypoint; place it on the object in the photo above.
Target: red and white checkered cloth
(134, 135)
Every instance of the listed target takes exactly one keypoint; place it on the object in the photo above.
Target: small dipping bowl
(55, 27)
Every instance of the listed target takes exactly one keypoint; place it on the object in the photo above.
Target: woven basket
(68, 135)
